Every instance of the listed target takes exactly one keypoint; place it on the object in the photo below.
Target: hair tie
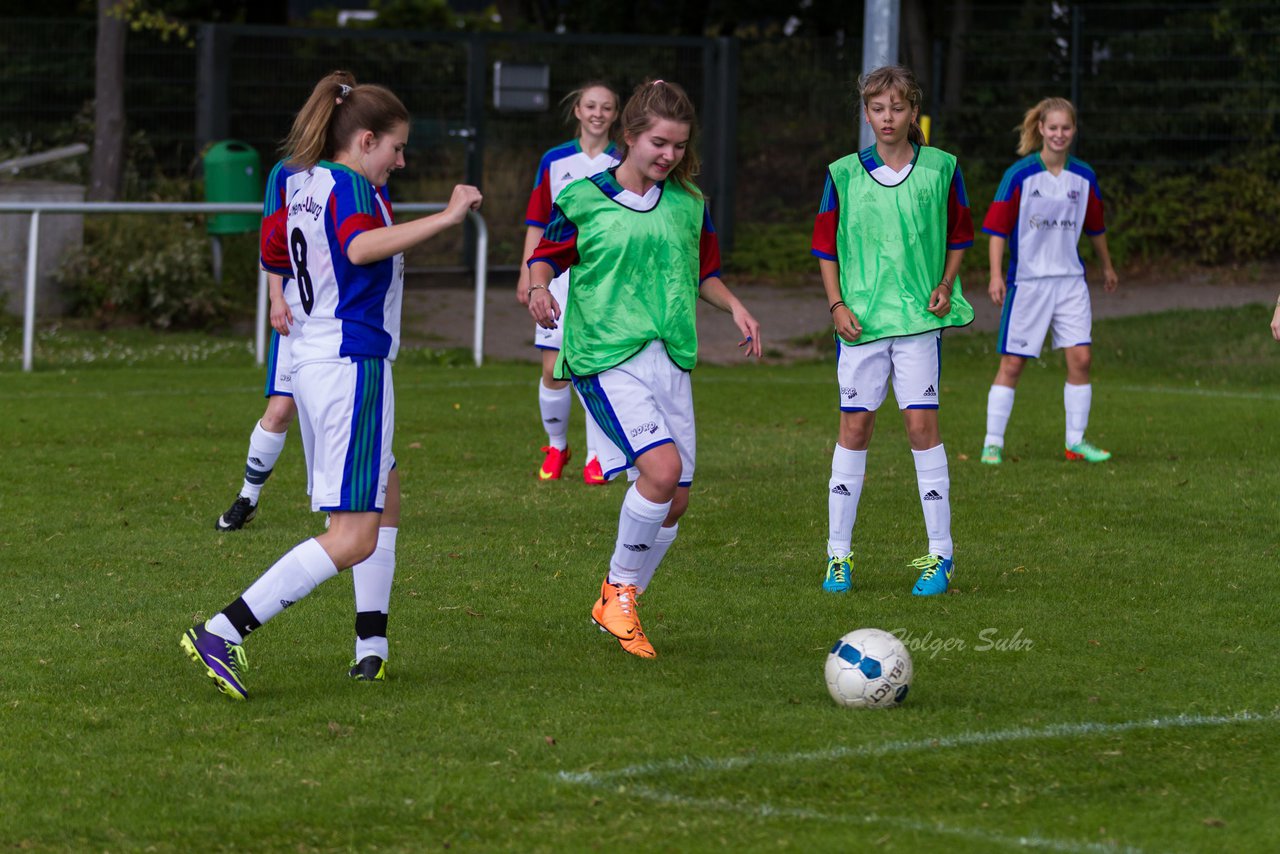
(346, 90)
(657, 82)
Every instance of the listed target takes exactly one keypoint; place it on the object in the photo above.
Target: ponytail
(338, 108)
(1029, 137)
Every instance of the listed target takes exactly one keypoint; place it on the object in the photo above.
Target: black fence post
(213, 77)
(726, 55)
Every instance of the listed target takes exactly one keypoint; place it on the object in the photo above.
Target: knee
(279, 414)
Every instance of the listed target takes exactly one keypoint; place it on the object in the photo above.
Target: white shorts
(349, 411)
(279, 363)
(913, 362)
(1031, 307)
(644, 402)
(552, 339)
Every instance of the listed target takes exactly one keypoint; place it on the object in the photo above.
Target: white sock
(638, 526)
(292, 577)
(264, 450)
(935, 498)
(666, 536)
(372, 579)
(554, 404)
(1077, 399)
(594, 434)
(848, 471)
(999, 407)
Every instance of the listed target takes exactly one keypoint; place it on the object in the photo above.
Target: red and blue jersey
(825, 225)
(558, 168)
(1042, 216)
(559, 245)
(353, 310)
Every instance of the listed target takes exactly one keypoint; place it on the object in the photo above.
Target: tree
(108, 104)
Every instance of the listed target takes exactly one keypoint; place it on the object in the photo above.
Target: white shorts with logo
(279, 363)
(347, 410)
(644, 402)
(553, 339)
(1032, 306)
(913, 363)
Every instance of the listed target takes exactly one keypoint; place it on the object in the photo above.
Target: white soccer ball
(868, 669)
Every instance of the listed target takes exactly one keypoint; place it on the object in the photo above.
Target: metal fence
(1161, 88)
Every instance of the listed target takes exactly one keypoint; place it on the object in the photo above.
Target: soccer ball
(868, 669)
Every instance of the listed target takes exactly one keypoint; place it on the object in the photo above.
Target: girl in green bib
(890, 233)
(641, 250)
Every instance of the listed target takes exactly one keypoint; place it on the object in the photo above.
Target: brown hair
(1029, 136)
(336, 110)
(900, 79)
(571, 101)
(659, 99)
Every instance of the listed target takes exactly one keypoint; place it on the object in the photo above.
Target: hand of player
(463, 199)
(281, 317)
(1275, 324)
(522, 286)
(544, 308)
(750, 329)
(847, 325)
(940, 301)
(996, 289)
(1110, 281)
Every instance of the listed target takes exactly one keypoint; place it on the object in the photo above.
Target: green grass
(1135, 704)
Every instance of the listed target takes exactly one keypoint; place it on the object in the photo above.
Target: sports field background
(1102, 678)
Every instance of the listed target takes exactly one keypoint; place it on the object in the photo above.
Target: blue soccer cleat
(839, 574)
(221, 659)
(935, 577)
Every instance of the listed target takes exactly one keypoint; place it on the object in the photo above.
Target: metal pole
(482, 276)
(879, 47)
(260, 327)
(29, 297)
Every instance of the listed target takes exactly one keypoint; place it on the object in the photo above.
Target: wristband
(533, 288)
(836, 305)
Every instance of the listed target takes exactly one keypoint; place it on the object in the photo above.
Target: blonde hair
(1030, 139)
(651, 101)
(899, 79)
(571, 101)
(336, 110)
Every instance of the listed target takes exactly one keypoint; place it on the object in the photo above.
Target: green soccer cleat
(1082, 450)
(839, 574)
(222, 660)
(993, 455)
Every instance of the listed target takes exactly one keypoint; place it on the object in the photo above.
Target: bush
(158, 270)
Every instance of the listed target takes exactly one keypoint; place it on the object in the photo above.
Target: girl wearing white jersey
(594, 106)
(346, 257)
(1044, 202)
(891, 231)
(643, 251)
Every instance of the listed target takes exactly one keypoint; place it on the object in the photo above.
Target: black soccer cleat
(237, 516)
(369, 669)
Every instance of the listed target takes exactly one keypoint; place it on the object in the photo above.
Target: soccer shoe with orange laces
(553, 465)
(617, 612)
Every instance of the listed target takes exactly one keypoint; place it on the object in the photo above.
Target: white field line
(971, 739)
(768, 811)
(602, 779)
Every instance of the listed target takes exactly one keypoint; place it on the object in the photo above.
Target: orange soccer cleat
(592, 474)
(553, 465)
(617, 612)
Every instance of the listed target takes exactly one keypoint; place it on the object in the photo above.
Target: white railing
(260, 327)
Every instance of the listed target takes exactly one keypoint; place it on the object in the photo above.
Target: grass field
(1103, 676)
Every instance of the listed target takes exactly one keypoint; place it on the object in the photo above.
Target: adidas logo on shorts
(930, 392)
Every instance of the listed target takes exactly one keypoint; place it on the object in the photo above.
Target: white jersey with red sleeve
(1042, 216)
(353, 310)
(559, 168)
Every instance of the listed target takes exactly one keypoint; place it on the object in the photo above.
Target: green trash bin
(232, 173)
